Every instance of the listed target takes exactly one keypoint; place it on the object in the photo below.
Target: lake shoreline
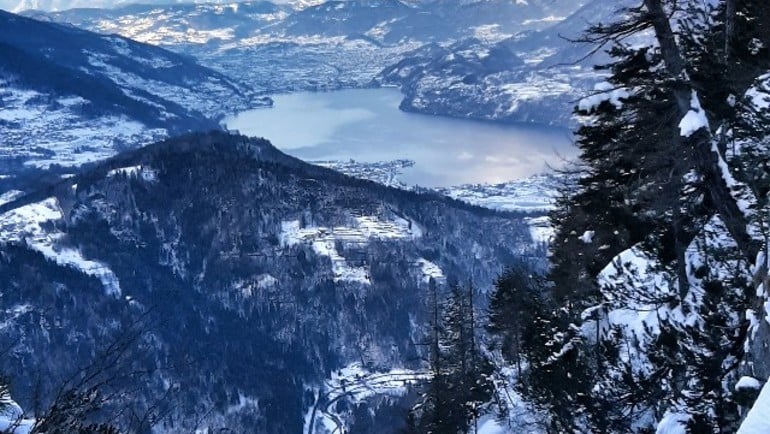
(367, 125)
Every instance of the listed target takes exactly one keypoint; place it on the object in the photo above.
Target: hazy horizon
(59, 5)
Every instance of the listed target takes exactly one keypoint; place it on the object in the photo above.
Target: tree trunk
(434, 348)
(730, 11)
(706, 161)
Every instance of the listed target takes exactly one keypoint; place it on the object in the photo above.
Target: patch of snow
(489, 33)
(128, 171)
(244, 403)
(748, 383)
(10, 196)
(743, 196)
(751, 317)
(431, 270)
(520, 415)
(26, 225)
(604, 92)
(143, 172)
(324, 240)
(12, 420)
(490, 425)
(548, 20)
(266, 281)
(636, 312)
(673, 423)
(340, 268)
(755, 46)
(355, 384)
(540, 229)
(11, 315)
(758, 419)
(587, 237)
(248, 289)
(695, 119)
(758, 97)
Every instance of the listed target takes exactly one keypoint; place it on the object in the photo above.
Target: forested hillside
(215, 282)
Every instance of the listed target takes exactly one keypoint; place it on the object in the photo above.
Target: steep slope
(259, 277)
(71, 96)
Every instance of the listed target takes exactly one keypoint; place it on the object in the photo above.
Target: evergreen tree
(648, 299)
(461, 383)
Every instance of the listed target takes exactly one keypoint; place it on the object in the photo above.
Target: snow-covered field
(533, 194)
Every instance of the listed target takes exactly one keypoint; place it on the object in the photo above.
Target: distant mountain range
(337, 44)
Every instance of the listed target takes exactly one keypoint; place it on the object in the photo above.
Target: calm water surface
(366, 125)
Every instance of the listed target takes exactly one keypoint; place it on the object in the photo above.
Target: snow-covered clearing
(35, 226)
(366, 228)
(355, 384)
(540, 229)
(143, 172)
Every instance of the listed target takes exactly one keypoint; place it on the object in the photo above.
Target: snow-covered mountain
(71, 96)
(553, 73)
(277, 295)
(475, 79)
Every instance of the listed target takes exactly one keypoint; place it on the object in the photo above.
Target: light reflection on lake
(366, 125)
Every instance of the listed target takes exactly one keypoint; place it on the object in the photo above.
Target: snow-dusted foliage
(657, 322)
(644, 307)
(604, 92)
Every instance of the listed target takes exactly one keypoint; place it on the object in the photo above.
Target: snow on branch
(695, 119)
(604, 92)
